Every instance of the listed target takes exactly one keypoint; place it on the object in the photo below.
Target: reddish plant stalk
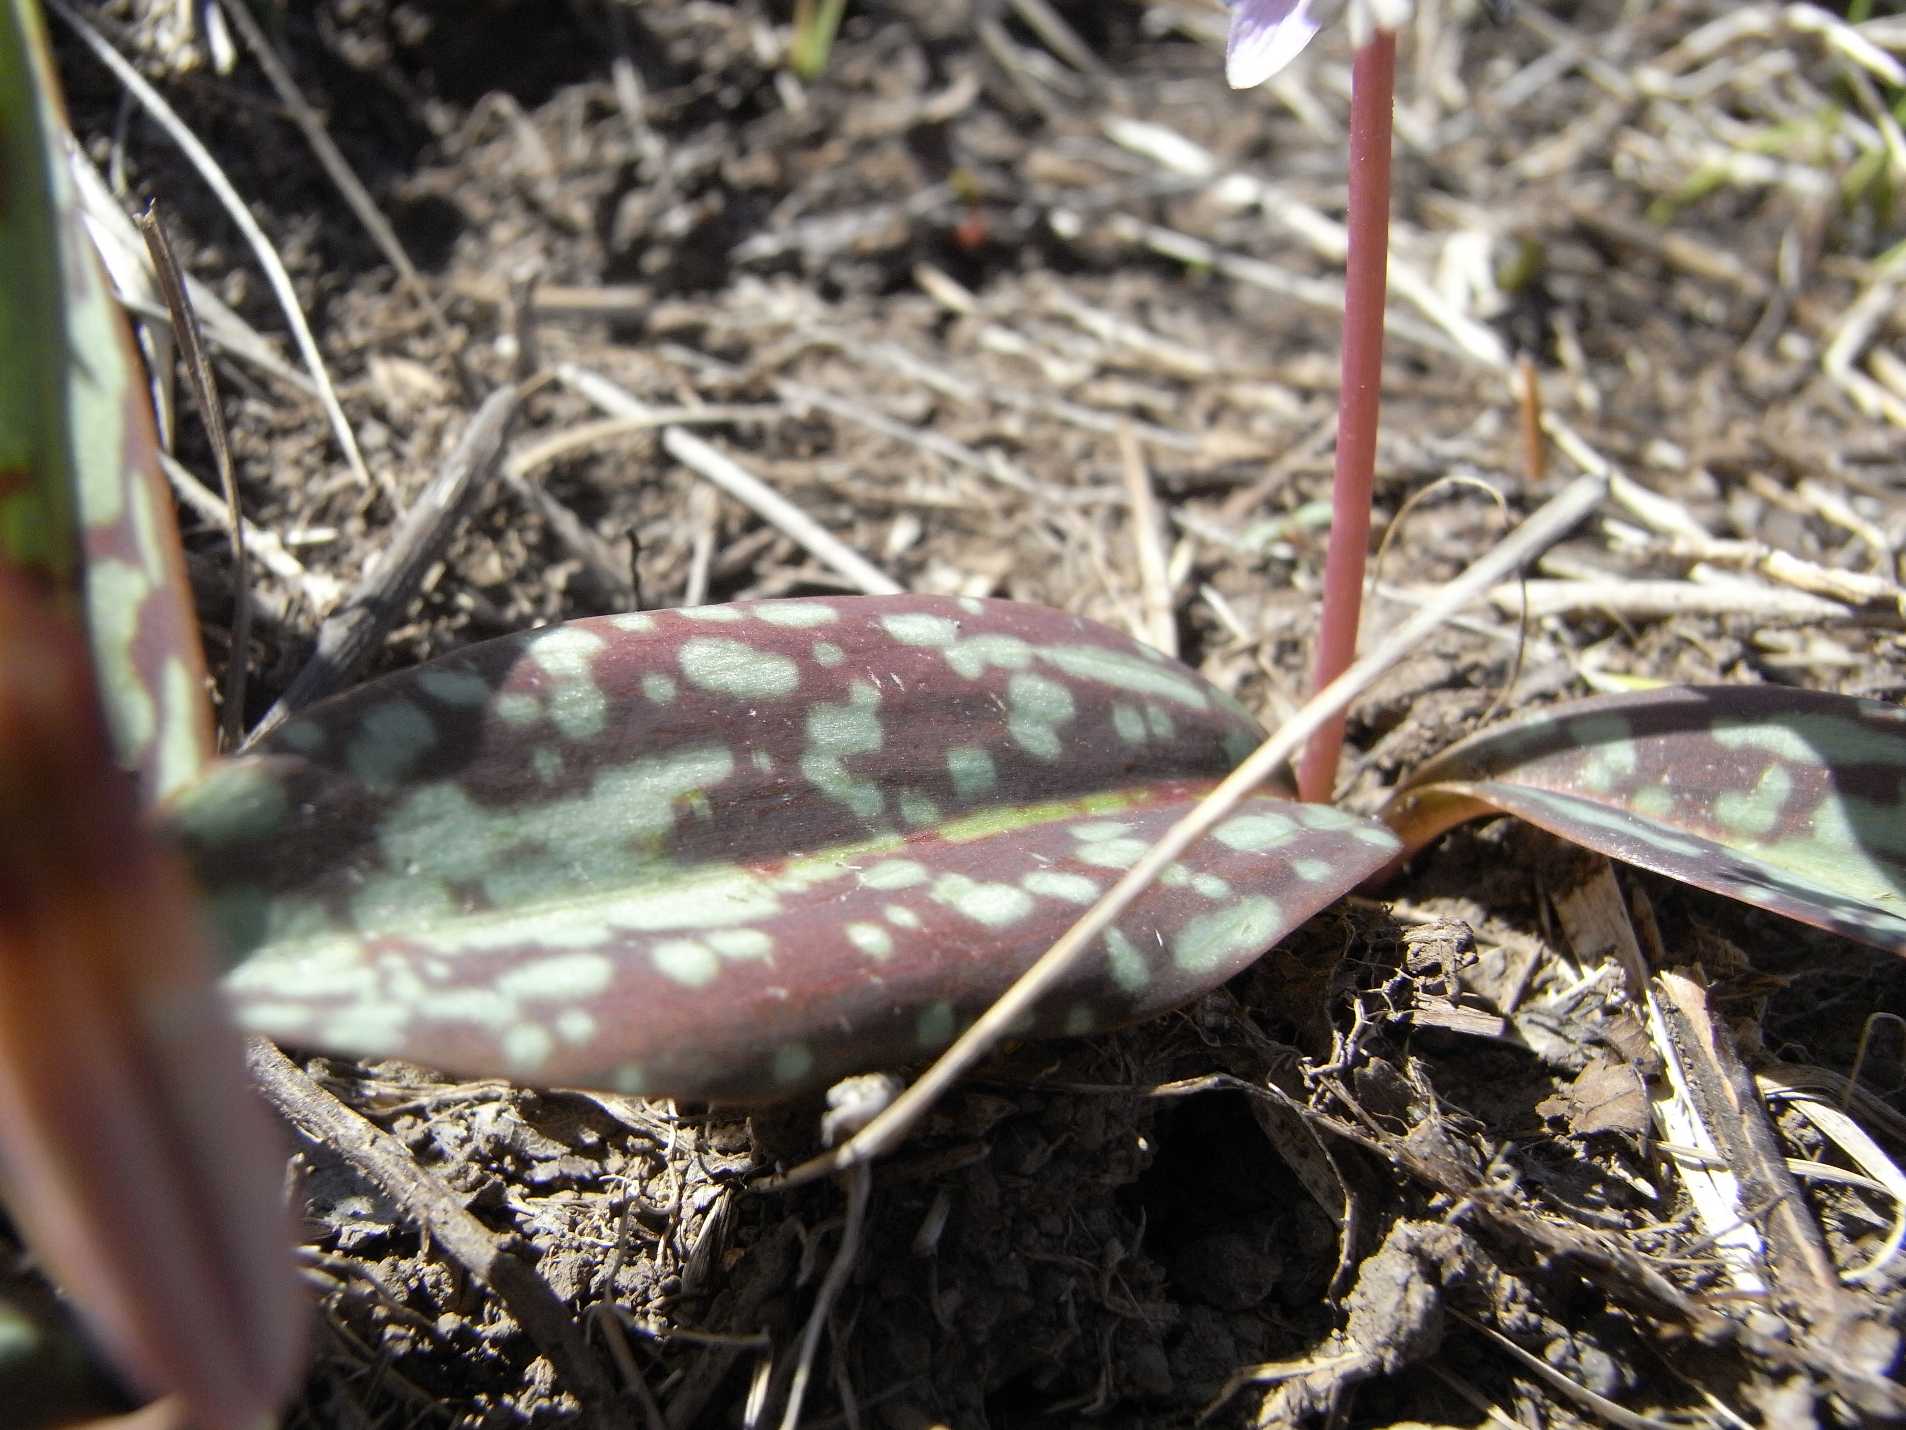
(1372, 101)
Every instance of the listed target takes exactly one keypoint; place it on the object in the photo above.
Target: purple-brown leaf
(138, 1162)
(1791, 800)
(740, 850)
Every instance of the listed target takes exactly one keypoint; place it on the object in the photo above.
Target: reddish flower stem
(1372, 101)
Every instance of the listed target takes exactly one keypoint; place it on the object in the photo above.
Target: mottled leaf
(1791, 800)
(83, 503)
(739, 850)
(133, 1154)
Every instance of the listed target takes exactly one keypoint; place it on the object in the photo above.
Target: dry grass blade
(612, 571)
(198, 368)
(240, 214)
(130, 267)
(1159, 626)
(777, 511)
(1730, 1108)
(742, 485)
(1852, 1139)
(860, 1182)
(1323, 294)
(349, 633)
(1648, 600)
(1060, 37)
(473, 1246)
(1458, 334)
(319, 591)
(1590, 1400)
(1856, 333)
(1597, 923)
(311, 125)
(800, 396)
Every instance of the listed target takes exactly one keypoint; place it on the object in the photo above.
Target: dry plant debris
(1019, 301)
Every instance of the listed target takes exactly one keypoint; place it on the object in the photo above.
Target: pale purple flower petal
(1266, 35)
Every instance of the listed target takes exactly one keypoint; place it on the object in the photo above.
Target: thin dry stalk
(198, 369)
(240, 214)
(1158, 625)
(351, 632)
(740, 484)
(387, 1163)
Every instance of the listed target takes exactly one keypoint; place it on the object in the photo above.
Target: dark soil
(1318, 1172)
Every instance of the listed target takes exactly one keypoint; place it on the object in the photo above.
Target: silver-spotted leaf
(84, 506)
(1791, 800)
(739, 850)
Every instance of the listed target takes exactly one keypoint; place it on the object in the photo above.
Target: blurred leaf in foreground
(83, 503)
(133, 1154)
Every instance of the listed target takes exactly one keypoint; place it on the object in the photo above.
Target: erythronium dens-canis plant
(726, 852)
(668, 852)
